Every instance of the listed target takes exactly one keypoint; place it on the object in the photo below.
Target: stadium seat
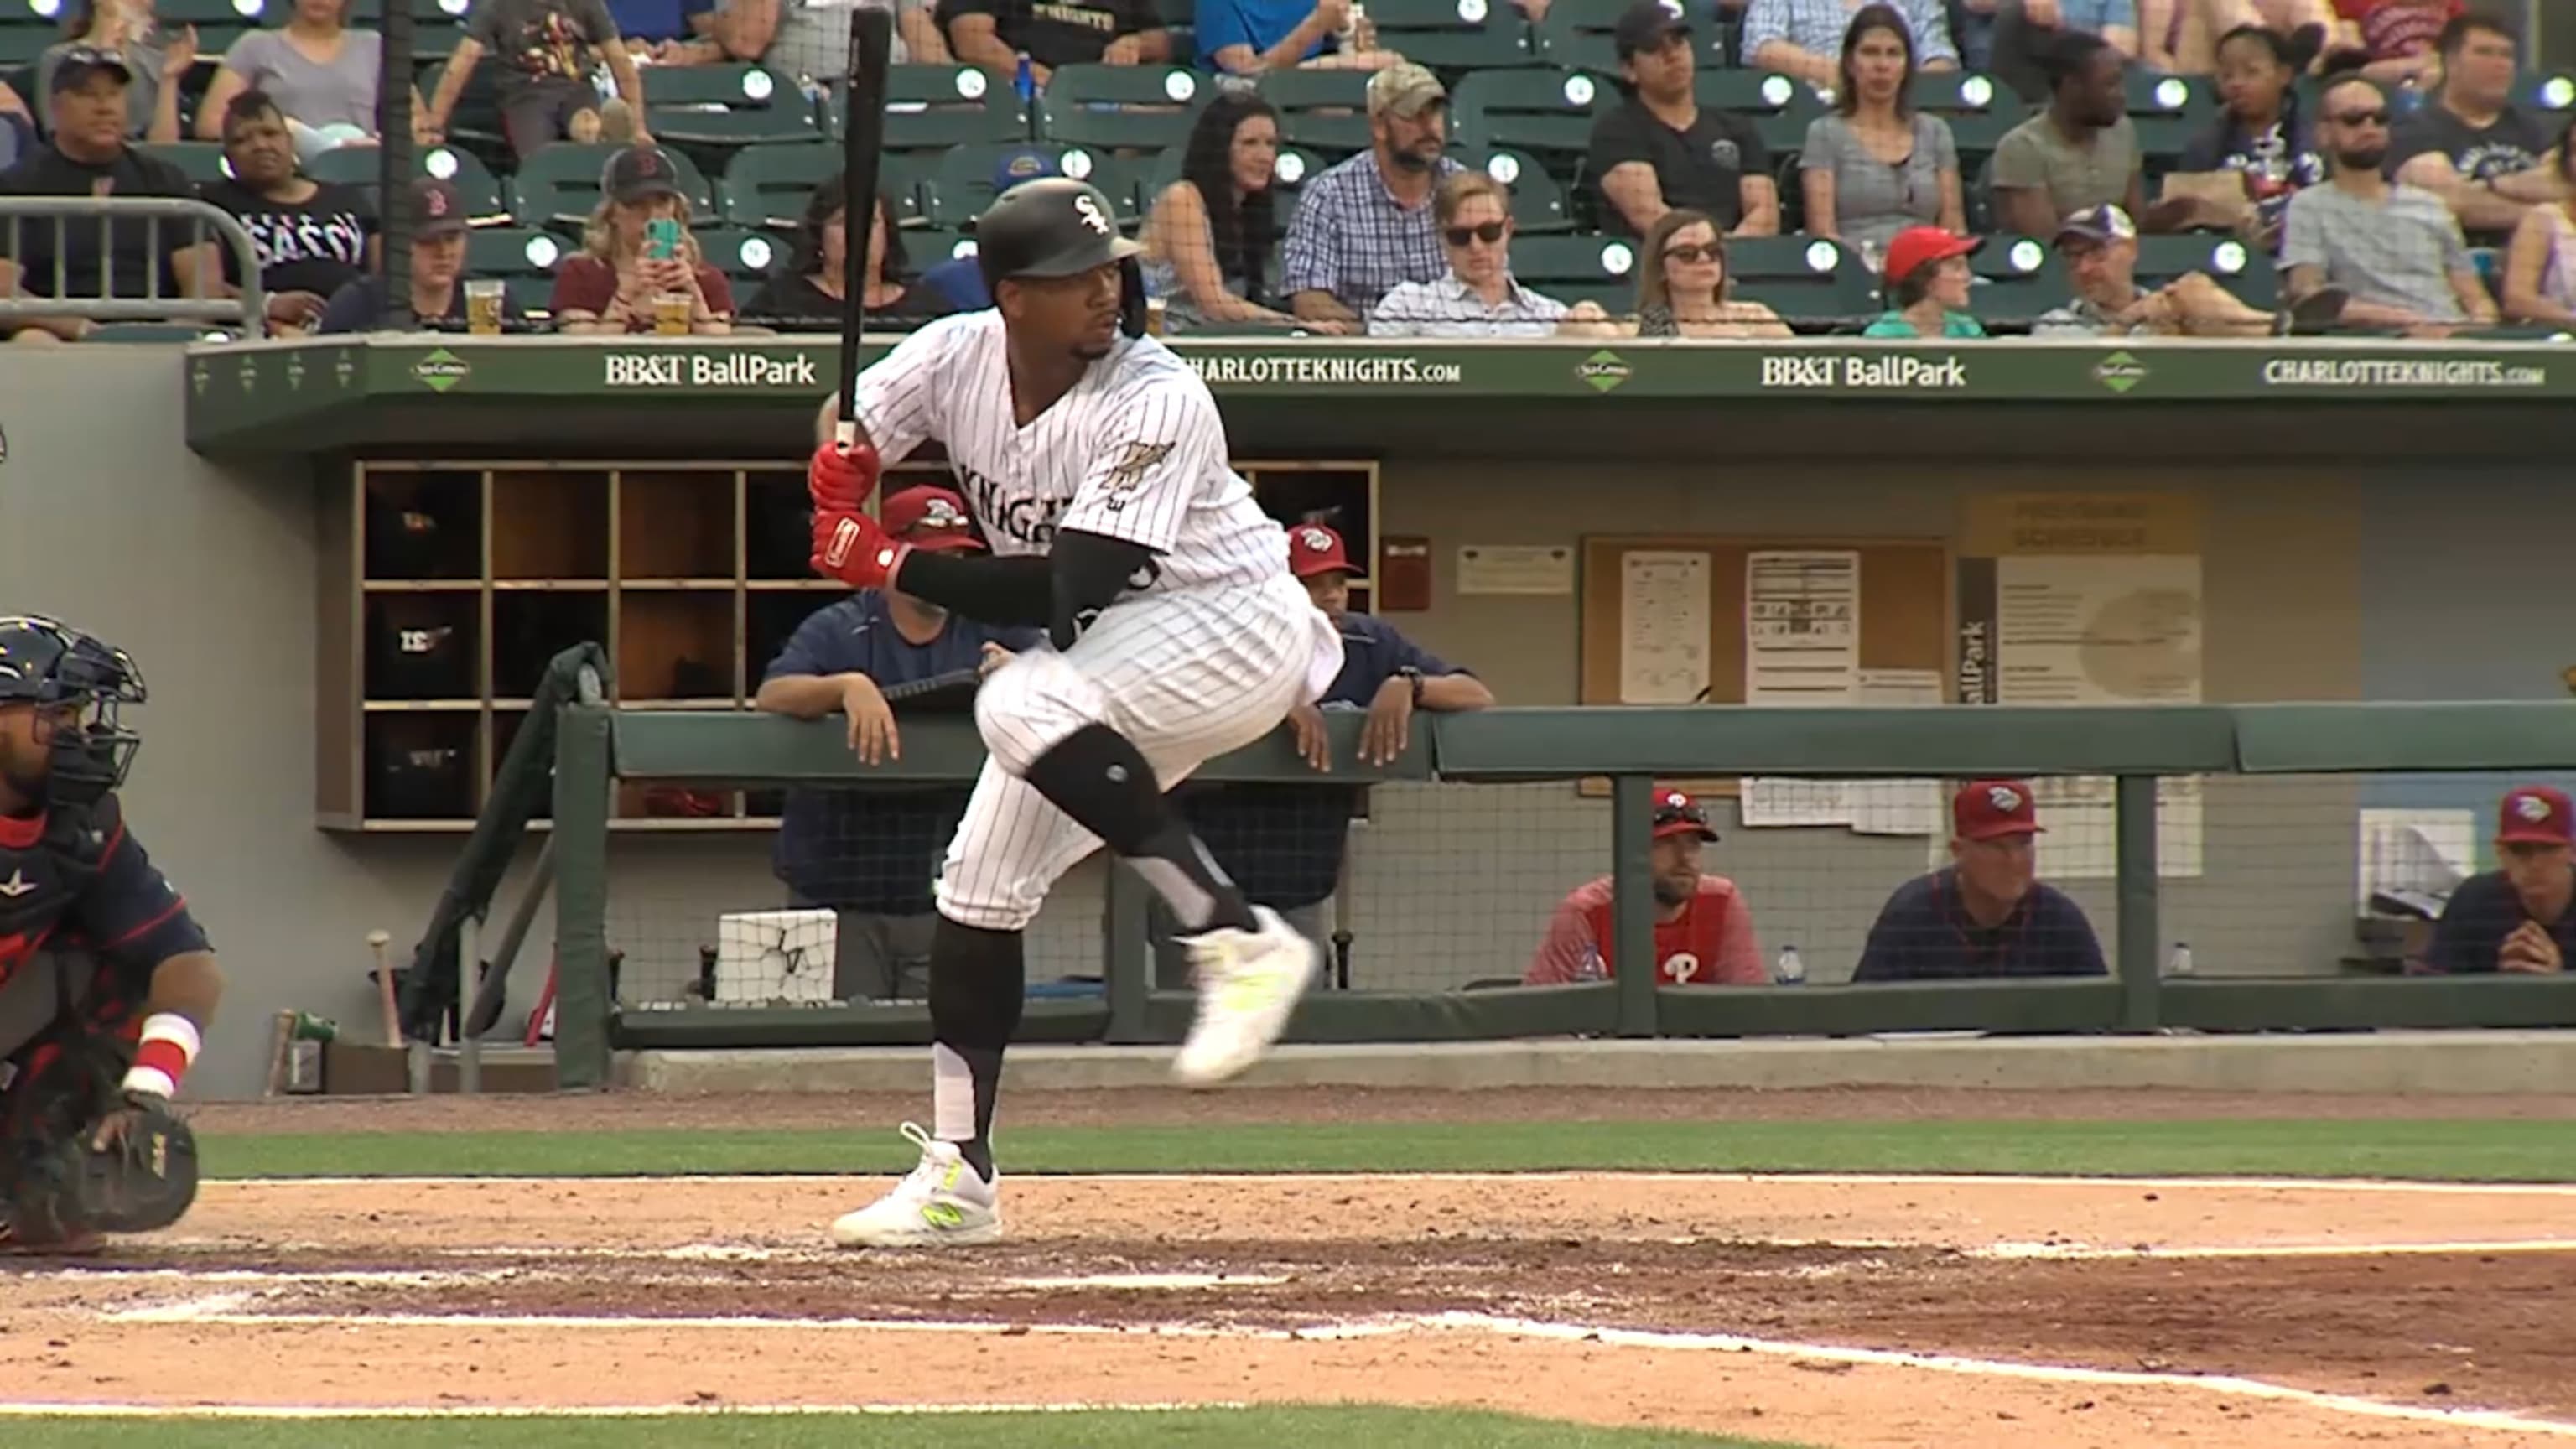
(1600, 269)
(1779, 108)
(202, 13)
(1977, 109)
(558, 185)
(474, 182)
(2554, 91)
(727, 105)
(930, 246)
(1123, 106)
(2168, 111)
(1544, 111)
(1577, 34)
(514, 251)
(960, 186)
(1454, 35)
(2018, 278)
(2246, 273)
(20, 44)
(767, 185)
(743, 255)
(942, 105)
(1288, 178)
(1321, 110)
(203, 161)
(1538, 202)
(159, 332)
(1802, 278)
(534, 297)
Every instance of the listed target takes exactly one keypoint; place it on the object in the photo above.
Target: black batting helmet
(1056, 227)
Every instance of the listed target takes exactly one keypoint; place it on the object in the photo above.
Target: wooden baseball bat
(862, 147)
(376, 942)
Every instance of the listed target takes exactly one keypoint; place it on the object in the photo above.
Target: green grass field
(2462, 1150)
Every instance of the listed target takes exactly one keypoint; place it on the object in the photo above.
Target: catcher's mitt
(143, 1182)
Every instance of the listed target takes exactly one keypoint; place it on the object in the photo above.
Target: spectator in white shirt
(1477, 296)
(2395, 248)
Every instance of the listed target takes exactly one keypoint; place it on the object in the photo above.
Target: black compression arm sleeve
(1091, 571)
(1004, 592)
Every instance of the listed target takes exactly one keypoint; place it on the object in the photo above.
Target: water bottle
(1791, 971)
(2180, 965)
(1024, 82)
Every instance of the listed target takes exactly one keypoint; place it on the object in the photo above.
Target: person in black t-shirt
(89, 157)
(2471, 146)
(312, 237)
(2518, 918)
(806, 296)
(994, 33)
(1987, 914)
(1657, 149)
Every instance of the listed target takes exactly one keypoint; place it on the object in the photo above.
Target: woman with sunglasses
(1478, 298)
(1876, 165)
(1681, 289)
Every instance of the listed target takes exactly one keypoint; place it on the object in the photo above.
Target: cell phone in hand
(661, 239)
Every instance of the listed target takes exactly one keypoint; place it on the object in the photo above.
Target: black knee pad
(1099, 777)
(978, 979)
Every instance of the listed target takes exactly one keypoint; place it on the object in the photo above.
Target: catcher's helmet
(1057, 227)
(50, 664)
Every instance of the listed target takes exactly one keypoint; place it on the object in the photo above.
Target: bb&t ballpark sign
(674, 369)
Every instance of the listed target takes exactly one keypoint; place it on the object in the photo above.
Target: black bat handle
(862, 145)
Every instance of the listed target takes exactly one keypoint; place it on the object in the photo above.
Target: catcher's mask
(58, 670)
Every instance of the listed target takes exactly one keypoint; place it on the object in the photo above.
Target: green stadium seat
(1541, 110)
(930, 246)
(371, 13)
(1321, 110)
(534, 297)
(1454, 35)
(474, 182)
(1577, 34)
(1538, 201)
(742, 254)
(514, 251)
(2168, 111)
(2554, 91)
(1802, 278)
(1600, 269)
(1123, 107)
(558, 185)
(203, 161)
(241, 14)
(2249, 275)
(767, 185)
(961, 184)
(1779, 108)
(20, 45)
(2018, 278)
(727, 105)
(941, 105)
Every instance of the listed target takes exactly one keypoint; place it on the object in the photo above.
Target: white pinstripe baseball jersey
(1135, 451)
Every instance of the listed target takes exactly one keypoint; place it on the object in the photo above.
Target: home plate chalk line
(223, 1309)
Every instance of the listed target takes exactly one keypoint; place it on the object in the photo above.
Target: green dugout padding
(1631, 747)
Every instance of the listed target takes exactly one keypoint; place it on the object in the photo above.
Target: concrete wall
(2316, 589)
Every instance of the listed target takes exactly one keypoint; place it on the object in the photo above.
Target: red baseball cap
(2536, 815)
(1679, 814)
(1314, 549)
(931, 518)
(1917, 247)
(1993, 809)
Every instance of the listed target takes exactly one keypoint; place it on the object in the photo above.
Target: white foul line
(1613, 1175)
(599, 1411)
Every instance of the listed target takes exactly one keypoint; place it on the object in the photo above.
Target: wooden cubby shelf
(447, 586)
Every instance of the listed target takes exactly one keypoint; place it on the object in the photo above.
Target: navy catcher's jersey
(118, 910)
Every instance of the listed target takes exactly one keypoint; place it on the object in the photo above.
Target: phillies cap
(1314, 549)
(1993, 809)
(2535, 815)
(1679, 814)
(2100, 225)
(1918, 247)
(931, 518)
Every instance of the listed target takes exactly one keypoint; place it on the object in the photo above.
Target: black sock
(1096, 776)
(978, 980)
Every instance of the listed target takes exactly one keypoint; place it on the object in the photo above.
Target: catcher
(106, 982)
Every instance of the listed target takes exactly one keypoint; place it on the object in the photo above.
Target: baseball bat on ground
(376, 942)
(862, 144)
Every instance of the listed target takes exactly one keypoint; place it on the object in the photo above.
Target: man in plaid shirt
(1365, 226)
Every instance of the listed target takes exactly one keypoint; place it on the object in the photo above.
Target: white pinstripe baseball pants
(1185, 676)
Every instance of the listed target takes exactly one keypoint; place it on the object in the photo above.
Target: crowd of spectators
(2373, 165)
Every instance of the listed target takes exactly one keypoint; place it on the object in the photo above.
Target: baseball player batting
(1095, 460)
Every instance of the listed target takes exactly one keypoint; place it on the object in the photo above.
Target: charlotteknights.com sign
(1321, 368)
(2401, 372)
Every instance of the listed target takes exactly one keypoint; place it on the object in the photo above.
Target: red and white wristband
(169, 1043)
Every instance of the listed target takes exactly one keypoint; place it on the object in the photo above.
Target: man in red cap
(1284, 844)
(1986, 913)
(2517, 918)
(1703, 929)
(872, 856)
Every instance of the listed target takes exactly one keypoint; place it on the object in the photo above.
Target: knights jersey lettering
(1135, 451)
(91, 889)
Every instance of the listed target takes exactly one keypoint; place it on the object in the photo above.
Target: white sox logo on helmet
(2004, 798)
(2532, 808)
(1089, 211)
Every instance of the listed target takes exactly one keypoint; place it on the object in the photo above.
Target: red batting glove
(851, 547)
(834, 479)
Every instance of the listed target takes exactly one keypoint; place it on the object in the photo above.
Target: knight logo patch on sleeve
(1132, 465)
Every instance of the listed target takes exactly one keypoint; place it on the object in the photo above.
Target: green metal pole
(1123, 975)
(2141, 929)
(582, 999)
(1632, 901)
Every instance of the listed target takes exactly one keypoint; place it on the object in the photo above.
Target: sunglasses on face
(1488, 232)
(2364, 118)
(1705, 252)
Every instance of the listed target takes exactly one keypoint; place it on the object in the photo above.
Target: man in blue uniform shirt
(871, 854)
(1283, 844)
(2517, 918)
(1985, 914)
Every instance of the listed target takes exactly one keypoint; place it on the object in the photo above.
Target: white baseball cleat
(942, 1204)
(1249, 981)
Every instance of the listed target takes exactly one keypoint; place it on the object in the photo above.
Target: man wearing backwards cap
(89, 156)
(1985, 914)
(2517, 918)
(1703, 929)
(1284, 844)
(871, 856)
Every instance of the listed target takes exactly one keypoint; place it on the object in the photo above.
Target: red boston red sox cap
(2535, 815)
(1314, 549)
(1993, 809)
(931, 518)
